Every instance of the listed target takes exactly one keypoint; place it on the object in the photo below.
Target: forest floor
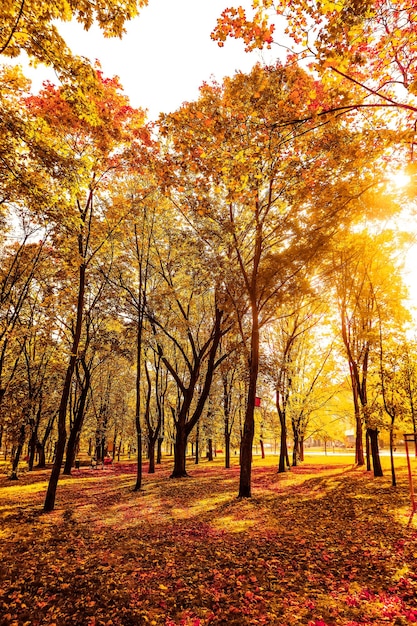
(325, 544)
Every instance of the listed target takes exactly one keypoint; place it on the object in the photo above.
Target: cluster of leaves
(370, 42)
(320, 546)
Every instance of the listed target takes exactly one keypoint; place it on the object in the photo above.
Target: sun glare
(399, 179)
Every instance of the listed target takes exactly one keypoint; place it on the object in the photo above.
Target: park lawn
(324, 544)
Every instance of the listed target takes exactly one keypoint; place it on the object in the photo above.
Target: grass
(323, 545)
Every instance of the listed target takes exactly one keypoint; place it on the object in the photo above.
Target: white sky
(166, 53)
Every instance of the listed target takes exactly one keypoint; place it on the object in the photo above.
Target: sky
(166, 53)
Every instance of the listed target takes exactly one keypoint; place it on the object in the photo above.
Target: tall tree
(97, 149)
(363, 274)
(187, 317)
(259, 195)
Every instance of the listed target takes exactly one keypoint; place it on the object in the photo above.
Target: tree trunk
(227, 443)
(283, 451)
(197, 443)
(34, 440)
(359, 457)
(77, 425)
(249, 423)
(210, 449)
(18, 453)
(151, 455)
(368, 452)
(159, 451)
(180, 451)
(391, 452)
(376, 461)
(62, 412)
(295, 449)
(301, 447)
(41, 452)
(261, 443)
(138, 484)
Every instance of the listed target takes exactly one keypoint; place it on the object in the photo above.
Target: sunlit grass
(233, 524)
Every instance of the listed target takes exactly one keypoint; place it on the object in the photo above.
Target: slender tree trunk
(261, 443)
(359, 457)
(391, 452)
(210, 449)
(249, 423)
(376, 461)
(77, 425)
(18, 452)
(138, 484)
(33, 443)
(151, 455)
(295, 449)
(227, 442)
(62, 412)
(159, 451)
(197, 444)
(283, 451)
(301, 446)
(368, 451)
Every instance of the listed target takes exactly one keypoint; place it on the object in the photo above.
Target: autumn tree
(97, 150)
(187, 317)
(296, 357)
(259, 194)
(131, 275)
(391, 340)
(368, 43)
(230, 373)
(33, 28)
(363, 275)
(410, 383)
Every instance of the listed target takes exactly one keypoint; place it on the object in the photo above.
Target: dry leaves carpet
(322, 545)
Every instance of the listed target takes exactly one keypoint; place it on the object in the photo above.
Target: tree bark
(159, 451)
(197, 444)
(376, 461)
(283, 451)
(138, 484)
(184, 426)
(33, 443)
(180, 450)
(368, 452)
(210, 449)
(391, 453)
(301, 447)
(227, 443)
(151, 455)
(18, 452)
(295, 450)
(249, 423)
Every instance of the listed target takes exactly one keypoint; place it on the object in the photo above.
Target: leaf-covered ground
(320, 545)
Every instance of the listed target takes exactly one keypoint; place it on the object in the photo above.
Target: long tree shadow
(329, 547)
